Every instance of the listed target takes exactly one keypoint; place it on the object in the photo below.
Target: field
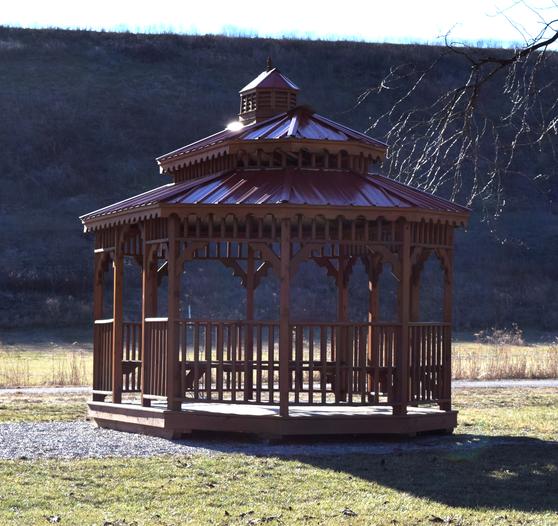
(61, 363)
(42, 358)
(509, 477)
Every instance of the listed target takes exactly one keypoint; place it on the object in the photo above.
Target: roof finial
(269, 64)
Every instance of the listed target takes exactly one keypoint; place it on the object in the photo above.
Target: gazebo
(280, 186)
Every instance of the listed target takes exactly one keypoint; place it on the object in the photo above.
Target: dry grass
(494, 361)
(45, 368)
(40, 364)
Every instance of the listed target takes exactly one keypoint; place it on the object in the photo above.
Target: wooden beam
(415, 297)
(284, 318)
(174, 271)
(249, 350)
(98, 294)
(117, 315)
(342, 316)
(148, 310)
(402, 364)
(373, 265)
(448, 316)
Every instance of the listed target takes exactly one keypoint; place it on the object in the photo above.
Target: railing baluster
(336, 347)
(323, 363)
(208, 393)
(233, 363)
(348, 366)
(196, 377)
(311, 365)
(219, 379)
(270, 360)
(259, 363)
(363, 340)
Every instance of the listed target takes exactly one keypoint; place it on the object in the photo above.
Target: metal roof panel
(292, 186)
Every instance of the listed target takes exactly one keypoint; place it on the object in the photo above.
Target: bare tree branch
(463, 140)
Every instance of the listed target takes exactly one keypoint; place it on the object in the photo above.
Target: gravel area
(84, 440)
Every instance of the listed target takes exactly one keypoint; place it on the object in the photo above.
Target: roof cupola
(269, 94)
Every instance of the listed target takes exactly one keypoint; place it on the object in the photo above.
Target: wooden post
(402, 365)
(342, 315)
(249, 334)
(373, 311)
(173, 369)
(98, 294)
(448, 302)
(98, 288)
(415, 296)
(284, 319)
(117, 318)
(148, 310)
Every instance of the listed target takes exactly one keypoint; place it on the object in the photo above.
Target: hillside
(84, 114)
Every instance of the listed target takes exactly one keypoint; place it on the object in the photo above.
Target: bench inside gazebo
(280, 187)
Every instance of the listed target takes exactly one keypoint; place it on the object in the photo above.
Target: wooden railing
(131, 357)
(229, 361)
(238, 361)
(429, 362)
(155, 357)
(333, 364)
(102, 355)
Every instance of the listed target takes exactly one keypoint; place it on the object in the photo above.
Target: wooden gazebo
(279, 187)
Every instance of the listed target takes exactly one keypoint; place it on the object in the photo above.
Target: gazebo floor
(264, 420)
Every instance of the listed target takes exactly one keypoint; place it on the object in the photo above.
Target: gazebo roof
(322, 166)
(341, 188)
(300, 123)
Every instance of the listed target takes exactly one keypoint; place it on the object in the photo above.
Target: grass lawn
(516, 483)
(22, 407)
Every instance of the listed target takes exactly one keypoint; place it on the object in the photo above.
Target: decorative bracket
(346, 268)
(268, 255)
(387, 256)
(374, 266)
(303, 254)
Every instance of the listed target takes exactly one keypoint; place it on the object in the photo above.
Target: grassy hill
(84, 114)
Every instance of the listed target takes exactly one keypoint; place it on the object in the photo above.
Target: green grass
(497, 483)
(500, 485)
(21, 407)
(508, 412)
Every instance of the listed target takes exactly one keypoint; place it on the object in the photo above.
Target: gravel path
(83, 440)
(28, 440)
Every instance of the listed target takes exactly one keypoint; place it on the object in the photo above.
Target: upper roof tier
(299, 125)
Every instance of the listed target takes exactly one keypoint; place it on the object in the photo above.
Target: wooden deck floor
(264, 420)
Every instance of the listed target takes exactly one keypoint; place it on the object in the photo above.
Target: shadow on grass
(517, 474)
(470, 471)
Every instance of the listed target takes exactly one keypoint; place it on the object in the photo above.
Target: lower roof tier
(272, 188)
